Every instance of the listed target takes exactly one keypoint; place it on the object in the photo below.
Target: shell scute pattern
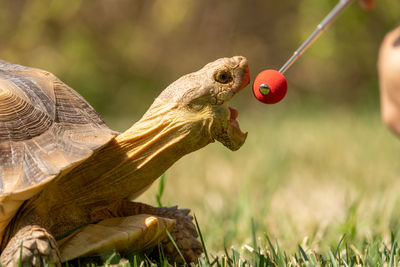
(45, 127)
(25, 110)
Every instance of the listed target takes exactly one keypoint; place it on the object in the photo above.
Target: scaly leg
(184, 233)
(32, 245)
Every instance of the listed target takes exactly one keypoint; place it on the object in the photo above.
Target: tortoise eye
(223, 77)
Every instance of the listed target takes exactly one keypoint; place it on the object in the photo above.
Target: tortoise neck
(165, 127)
(129, 164)
(163, 135)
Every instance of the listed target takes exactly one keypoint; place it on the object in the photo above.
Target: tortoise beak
(244, 65)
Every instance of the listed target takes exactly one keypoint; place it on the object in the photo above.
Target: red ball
(274, 86)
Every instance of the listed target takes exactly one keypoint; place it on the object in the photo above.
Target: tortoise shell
(45, 128)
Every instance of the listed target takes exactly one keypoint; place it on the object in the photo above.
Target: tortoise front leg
(184, 233)
(32, 245)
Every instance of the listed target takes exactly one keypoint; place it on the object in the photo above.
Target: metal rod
(326, 22)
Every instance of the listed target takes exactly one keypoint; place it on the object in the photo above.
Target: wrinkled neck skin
(163, 135)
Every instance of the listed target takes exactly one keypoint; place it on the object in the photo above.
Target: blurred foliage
(119, 54)
(323, 144)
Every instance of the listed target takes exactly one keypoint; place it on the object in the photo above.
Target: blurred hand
(389, 80)
(367, 4)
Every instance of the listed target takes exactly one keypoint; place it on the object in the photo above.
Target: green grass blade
(176, 246)
(271, 246)
(333, 259)
(338, 246)
(236, 257)
(112, 258)
(160, 192)
(228, 259)
(261, 260)
(202, 240)
(394, 245)
(226, 252)
(303, 254)
(280, 260)
(253, 232)
(313, 259)
(20, 256)
(135, 263)
(163, 259)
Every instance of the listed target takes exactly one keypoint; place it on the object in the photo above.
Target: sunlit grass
(266, 252)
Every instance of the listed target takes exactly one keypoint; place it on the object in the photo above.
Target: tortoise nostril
(239, 59)
(241, 62)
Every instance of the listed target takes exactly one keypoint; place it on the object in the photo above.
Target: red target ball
(270, 86)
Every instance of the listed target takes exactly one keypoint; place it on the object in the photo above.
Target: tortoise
(67, 181)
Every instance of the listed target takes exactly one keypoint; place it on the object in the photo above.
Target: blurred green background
(127, 51)
(317, 165)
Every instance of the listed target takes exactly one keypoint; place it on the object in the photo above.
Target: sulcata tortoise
(66, 179)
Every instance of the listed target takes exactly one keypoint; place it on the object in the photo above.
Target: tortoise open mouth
(233, 116)
(236, 136)
(227, 130)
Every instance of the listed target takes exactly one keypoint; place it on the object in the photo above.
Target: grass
(314, 185)
(267, 253)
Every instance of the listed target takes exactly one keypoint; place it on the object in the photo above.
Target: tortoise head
(205, 95)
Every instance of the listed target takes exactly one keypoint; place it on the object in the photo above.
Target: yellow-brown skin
(389, 80)
(189, 114)
(389, 75)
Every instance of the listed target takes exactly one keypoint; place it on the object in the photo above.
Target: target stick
(270, 86)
